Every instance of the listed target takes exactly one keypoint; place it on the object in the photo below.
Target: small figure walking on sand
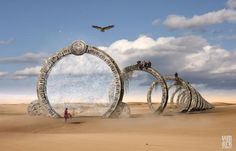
(176, 75)
(67, 114)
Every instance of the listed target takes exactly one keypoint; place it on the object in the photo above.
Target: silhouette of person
(142, 65)
(67, 114)
(139, 64)
(149, 64)
(146, 65)
(176, 75)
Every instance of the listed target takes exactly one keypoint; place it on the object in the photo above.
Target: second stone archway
(127, 72)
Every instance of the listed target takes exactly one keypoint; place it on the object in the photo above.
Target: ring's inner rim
(58, 62)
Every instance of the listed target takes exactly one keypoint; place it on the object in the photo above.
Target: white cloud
(126, 52)
(73, 65)
(208, 59)
(80, 65)
(225, 69)
(6, 42)
(214, 17)
(27, 72)
(156, 22)
(231, 4)
(187, 55)
(25, 58)
(3, 74)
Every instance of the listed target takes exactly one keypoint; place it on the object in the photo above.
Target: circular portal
(79, 48)
(127, 70)
(184, 98)
(83, 89)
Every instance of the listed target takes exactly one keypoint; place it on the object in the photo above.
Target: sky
(197, 39)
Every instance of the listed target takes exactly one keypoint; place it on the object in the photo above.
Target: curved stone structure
(122, 110)
(130, 69)
(180, 84)
(185, 104)
(35, 108)
(174, 93)
(188, 99)
(79, 48)
(199, 103)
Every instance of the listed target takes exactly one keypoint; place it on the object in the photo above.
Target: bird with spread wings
(103, 29)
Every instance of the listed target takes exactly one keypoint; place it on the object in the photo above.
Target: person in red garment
(67, 114)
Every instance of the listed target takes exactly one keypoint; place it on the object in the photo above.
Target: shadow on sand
(75, 122)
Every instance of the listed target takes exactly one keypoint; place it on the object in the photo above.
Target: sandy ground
(142, 132)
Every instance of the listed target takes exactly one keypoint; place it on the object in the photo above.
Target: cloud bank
(192, 56)
(3, 74)
(72, 65)
(6, 42)
(231, 4)
(25, 58)
(26, 72)
(214, 17)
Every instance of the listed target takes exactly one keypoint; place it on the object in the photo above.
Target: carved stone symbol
(78, 48)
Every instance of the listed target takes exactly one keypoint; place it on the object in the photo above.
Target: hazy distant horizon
(18, 99)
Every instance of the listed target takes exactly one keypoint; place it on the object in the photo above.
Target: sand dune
(144, 131)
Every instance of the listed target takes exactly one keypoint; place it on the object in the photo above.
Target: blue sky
(32, 30)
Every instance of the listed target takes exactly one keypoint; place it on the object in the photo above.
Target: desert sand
(142, 132)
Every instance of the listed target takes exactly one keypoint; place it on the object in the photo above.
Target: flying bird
(103, 29)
